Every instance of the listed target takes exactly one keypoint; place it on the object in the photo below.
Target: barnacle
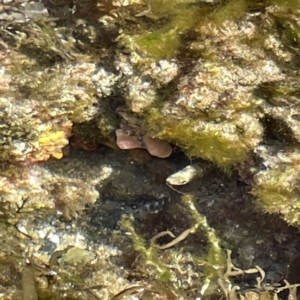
(37, 120)
(210, 115)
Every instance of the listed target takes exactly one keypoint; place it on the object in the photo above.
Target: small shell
(184, 176)
(125, 141)
(157, 147)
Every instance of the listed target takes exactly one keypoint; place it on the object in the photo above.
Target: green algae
(289, 28)
(213, 259)
(148, 253)
(230, 11)
(199, 139)
(276, 192)
(165, 42)
(160, 44)
(182, 17)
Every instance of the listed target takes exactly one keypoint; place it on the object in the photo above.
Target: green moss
(232, 11)
(41, 43)
(107, 124)
(176, 18)
(180, 17)
(165, 276)
(277, 192)
(288, 25)
(161, 7)
(280, 89)
(164, 42)
(159, 44)
(292, 32)
(199, 139)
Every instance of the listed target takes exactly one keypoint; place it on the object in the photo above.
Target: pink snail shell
(154, 146)
(157, 147)
(125, 141)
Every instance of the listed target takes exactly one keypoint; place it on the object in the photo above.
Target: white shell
(183, 176)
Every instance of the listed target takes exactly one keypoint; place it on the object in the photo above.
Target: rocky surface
(125, 204)
(208, 84)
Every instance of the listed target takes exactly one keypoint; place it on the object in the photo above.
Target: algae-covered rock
(213, 113)
(217, 80)
(190, 75)
(52, 188)
(212, 78)
(281, 109)
(26, 137)
(37, 110)
(276, 185)
(224, 143)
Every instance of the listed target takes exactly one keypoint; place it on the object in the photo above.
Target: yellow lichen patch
(51, 144)
(51, 138)
(57, 154)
